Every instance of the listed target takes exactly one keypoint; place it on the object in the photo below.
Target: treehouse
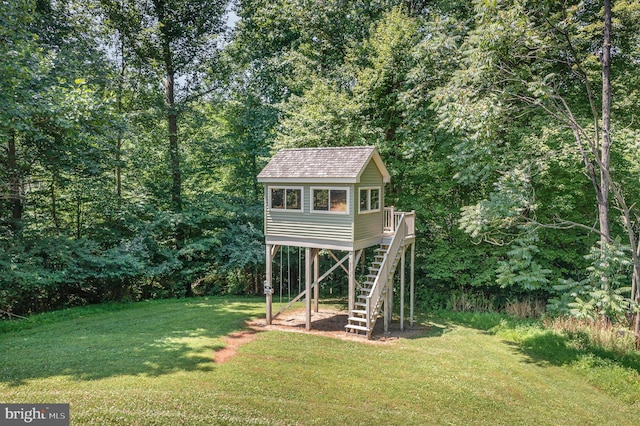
(332, 199)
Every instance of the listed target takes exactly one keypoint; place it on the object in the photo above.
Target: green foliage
(520, 269)
(455, 96)
(603, 292)
(323, 116)
(188, 28)
(510, 103)
(509, 205)
(60, 272)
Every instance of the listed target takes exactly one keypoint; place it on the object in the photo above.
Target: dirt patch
(328, 322)
(231, 344)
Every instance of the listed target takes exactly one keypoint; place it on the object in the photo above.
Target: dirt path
(328, 322)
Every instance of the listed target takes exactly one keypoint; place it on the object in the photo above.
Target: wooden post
(307, 280)
(352, 282)
(411, 282)
(404, 249)
(388, 308)
(385, 312)
(267, 284)
(390, 298)
(316, 276)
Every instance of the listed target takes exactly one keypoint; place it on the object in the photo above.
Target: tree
(57, 116)
(525, 62)
(176, 39)
(18, 78)
(48, 79)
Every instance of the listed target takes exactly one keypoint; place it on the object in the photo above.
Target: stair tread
(359, 311)
(356, 327)
(357, 319)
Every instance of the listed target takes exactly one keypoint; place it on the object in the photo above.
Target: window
(330, 200)
(285, 198)
(369, 199)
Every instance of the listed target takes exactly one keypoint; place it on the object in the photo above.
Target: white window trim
(368, 189)
(285, 209)
(330, 188)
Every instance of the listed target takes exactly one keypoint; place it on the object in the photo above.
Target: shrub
(586, 333)
(461, 301)
(525, 308)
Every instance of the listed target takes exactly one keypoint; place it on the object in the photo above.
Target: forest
(131, 134)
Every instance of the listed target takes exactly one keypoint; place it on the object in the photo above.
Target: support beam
(388, 304)
(291, 302)
(411, 282)
(387, 308)
(352, 282)
(268, 284)
(358, 255)
(404, 249)
(303, 293)
(390, 299)
(316, 274)
(307, 281)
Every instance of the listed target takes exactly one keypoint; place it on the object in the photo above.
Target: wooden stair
(359, 322)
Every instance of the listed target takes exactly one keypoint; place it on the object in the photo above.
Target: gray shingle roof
(340, 165)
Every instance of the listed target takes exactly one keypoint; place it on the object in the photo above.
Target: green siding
(313, 225)
(328, 226)
(369, 224)
(371, 176)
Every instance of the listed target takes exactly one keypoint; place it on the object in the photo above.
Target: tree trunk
(636, 281)
(603, 198)
(172, 118)
(15, 197)
(257, 188)
(118, 167)
(79, 204)
(603, 193)
(54, 208)
(176, 176)
(119, 139)
(174, 153)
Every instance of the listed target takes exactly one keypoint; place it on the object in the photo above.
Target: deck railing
(392, 219)
(389, 219)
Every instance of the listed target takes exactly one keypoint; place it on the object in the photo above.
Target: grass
(151, 363)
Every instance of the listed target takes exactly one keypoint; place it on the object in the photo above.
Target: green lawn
(152, 363)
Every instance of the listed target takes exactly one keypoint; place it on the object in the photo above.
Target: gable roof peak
(322, 164)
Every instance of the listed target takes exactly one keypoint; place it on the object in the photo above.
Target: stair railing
(385, 268)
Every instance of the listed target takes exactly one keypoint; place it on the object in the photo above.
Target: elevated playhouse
(332, 199)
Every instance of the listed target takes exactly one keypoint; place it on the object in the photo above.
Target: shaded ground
(328, 322)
